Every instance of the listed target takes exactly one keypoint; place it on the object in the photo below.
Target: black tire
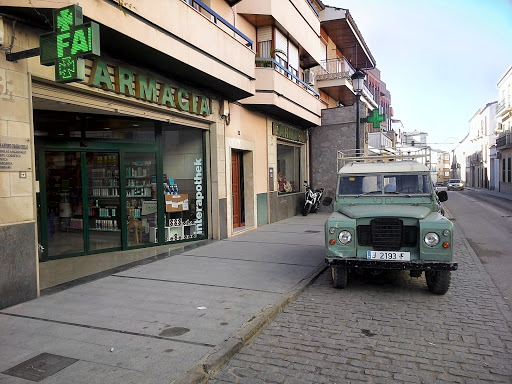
(306, 209)
(314, 208)
(438, 282)
(339, 276)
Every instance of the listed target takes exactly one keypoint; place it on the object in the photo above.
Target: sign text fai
(70, 41)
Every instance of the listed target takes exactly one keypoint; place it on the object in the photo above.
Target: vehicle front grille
(387, 234)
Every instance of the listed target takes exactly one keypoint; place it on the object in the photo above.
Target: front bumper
(414, 265)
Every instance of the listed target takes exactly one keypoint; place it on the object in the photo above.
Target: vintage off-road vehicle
(387, 215)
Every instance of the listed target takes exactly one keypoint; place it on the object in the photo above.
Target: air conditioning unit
(309, 77)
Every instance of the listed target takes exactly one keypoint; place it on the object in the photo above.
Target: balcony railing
(502, 105)
(504, 140)
(313, 8)
(271, 63)
(334, 69)
(217, 18)
(341, 69)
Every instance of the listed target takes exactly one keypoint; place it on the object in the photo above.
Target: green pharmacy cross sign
(375, 118)
(70, 41)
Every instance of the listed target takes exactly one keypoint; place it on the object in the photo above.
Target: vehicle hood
(406, 211)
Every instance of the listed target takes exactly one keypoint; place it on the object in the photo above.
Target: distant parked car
(440, 186)
(455, 185)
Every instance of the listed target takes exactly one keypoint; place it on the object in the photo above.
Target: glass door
(141, 203)
(64, 208)
(104, 200)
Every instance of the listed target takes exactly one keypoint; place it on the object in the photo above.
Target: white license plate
(388, 255)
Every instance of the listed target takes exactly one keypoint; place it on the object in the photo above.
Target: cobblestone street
(385, 329)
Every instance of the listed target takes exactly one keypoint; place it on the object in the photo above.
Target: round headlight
(332, 230)
(431, 239)
(446, 232)
(345, 237)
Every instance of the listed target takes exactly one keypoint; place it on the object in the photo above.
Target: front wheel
(438, 282)
(339, 276)
(306, 209)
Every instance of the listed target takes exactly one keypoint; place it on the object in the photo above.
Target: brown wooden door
(236, 188)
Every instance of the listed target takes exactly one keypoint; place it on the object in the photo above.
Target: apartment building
(127, 132)
(504, 131)
(480, 166)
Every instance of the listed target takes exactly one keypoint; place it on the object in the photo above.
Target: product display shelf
(175, 231)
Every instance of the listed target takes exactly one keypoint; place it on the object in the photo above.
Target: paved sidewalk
(501, 195)
(166, 321)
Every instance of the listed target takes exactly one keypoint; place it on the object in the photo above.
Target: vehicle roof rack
(420, 155)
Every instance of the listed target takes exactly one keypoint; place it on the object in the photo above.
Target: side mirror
(327, 201)
(442, 196)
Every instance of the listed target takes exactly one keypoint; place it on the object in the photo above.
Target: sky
(440, 59)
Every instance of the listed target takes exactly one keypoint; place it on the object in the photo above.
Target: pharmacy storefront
(110, 182)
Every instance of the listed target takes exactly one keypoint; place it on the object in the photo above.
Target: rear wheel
(438, 282)
(339, 276)
(306, 209)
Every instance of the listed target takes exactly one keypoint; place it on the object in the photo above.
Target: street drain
(310, 231)
(40, 367)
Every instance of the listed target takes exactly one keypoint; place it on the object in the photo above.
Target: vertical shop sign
(198, 181)
(69, 42)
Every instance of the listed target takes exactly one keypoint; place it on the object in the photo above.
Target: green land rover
(387, 215)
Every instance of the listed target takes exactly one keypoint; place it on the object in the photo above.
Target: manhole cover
(310, 231)
(40, 367)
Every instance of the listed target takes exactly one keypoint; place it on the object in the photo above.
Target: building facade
(479, 163)
(504, 132)
(126, 133)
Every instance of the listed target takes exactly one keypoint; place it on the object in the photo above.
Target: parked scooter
(312, 199)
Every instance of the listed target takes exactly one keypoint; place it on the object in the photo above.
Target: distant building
(414, 138)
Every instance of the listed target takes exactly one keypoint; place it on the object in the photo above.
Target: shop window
(184, 183)
(288, 168)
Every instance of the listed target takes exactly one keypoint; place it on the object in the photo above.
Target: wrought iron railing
(271, 63)
(504, 140)
(502, 105)
(334, 69)
(217, 18)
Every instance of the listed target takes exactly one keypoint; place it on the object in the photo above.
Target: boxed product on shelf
(176, 203)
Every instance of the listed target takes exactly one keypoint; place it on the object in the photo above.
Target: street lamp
(357, 84)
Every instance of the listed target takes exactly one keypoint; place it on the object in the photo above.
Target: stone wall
(337, 132)
(18, 248)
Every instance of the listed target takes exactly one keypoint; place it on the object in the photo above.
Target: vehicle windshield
(384, 184)
(454, 180)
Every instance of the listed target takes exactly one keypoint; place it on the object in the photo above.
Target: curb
(201, 372)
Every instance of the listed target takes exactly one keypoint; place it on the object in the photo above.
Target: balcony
(504, 141)
(342, 29)
(333, 78)
(296, 18)
(170, 37)
(281, 93)
(503, 107)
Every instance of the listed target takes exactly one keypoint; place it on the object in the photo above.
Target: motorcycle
(312, 199)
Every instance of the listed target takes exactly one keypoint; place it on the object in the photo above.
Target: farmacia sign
(145, 88)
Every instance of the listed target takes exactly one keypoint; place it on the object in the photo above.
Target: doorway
(237, 188)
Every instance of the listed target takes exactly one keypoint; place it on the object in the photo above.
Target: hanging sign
(70, 41)
(375, 118)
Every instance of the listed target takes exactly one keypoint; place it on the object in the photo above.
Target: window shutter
(281, 45)
(264, 33)
(293, 59)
